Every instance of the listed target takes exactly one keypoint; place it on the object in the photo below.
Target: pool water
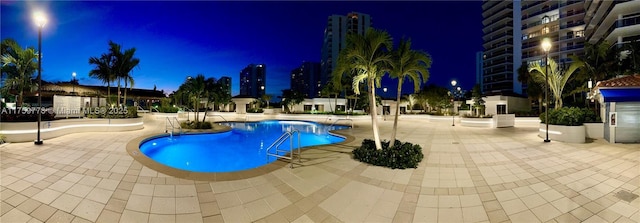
(242, 148)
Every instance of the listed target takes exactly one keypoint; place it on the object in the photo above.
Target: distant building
(479, 61)
(253, 80)
(306, 79)
(226, 82)
(501, 43)
(617, 22)
(335, 39)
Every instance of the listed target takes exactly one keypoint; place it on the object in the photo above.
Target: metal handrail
(276, 144)
(169, 122)
(218, 116)
(341, 119)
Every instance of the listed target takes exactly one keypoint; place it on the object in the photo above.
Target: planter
(477, 122)
(594, 130)
(505, 120)
(562, 133)
(26, 131)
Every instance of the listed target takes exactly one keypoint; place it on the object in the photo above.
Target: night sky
(179, 39)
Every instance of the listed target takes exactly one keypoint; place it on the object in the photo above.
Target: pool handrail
(170, 122)
(213, 115)
(340, 119)
(286, 135)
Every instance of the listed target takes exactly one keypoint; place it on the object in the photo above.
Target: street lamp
(453, 117)
(73, 83)
(546, 46)
(40, 20)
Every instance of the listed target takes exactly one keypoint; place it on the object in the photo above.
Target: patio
(468, 175)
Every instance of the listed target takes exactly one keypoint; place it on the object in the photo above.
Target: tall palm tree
(20, 65)
(558, 77)
(369, 56)
(408, 64)
(103, 71)
(412, 99)
(197, 89)
(123, 64)
(210, 94)
(534, 89)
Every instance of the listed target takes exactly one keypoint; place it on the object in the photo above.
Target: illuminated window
(545, 30)
(579, 33)
(545, 20)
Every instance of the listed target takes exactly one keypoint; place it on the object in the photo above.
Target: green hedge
(401, 156)
(571, 116)
(168, 109)
(195, 125)
(255, 110)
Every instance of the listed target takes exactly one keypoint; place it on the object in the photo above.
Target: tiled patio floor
(467, 175)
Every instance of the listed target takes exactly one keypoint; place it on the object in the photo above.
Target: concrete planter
(504, 120)
(562, 133)
(27, 131)
(594, 130)
(477, 122)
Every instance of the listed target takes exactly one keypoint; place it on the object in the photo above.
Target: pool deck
(468, 175)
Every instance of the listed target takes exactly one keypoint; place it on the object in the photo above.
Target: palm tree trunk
(206, 108)
(374, 113)
(197, 110)
(125, 93)
(108, 93)
(119, 92)
(336, 102)
(395, 119)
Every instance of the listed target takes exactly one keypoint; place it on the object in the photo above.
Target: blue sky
(179, 39)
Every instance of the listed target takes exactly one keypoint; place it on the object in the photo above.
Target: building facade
(253, 80)
(502, 47)
(226, 83)
(306, 79)
(335, 39)
(616, 22)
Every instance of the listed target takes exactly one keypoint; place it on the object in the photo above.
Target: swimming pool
(242, 148)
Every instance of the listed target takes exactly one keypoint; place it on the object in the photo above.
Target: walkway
(467, 175)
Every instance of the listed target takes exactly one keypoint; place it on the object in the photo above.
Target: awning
(621, 94)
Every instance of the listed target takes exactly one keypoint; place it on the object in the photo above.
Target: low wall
(478, 122)
(562, 133)
(504, 120)
(594, 130)
(27, 131)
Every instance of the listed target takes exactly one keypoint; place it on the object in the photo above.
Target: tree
(411, 65)
(291, 97)
(210, 94)
(196, 88)
(103, 71)
(124, 63)
(369, 56)
(266, 98)
(478, 102)
(412, 99)
(557, 77)
(534, 89)
(435, 97)
(19, 65)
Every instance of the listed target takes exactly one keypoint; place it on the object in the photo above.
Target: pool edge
(133, 149)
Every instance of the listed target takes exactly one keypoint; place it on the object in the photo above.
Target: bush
(168, 109)
(255, 110)
(401, 156)
(25, 115)
(195, 125)
(528, 113)
(570, 116)
(112, 112)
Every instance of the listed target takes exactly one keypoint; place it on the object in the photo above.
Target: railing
(218, 116)
(142, 110)
(286, 135)
(341, 119)
(169, 123)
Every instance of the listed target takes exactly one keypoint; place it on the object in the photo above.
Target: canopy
(621, 94)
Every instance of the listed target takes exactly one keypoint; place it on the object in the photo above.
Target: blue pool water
(242, 148)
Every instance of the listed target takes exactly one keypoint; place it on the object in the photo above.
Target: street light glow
(40, 18)
(546, 44)
(73, 74)
(453, 83)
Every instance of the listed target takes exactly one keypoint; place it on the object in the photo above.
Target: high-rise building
(335, 39)
(479, 61)
(513, 32)
(252, 80)
(501, 42)
(562, 22)
(226, 83)
(617, 22)
(306, 79)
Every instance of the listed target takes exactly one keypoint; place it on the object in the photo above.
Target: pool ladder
(340, 119)
(171, 124)
(286, 135)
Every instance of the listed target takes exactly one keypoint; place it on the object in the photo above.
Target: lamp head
(453, 83)
(73, 74)
(546, 45)
(39, 18)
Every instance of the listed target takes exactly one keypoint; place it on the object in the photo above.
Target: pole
(546, 96)
(38, 140)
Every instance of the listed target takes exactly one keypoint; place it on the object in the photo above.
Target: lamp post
(73, 83)
(40, 20)
(546, 46)
(453, 117)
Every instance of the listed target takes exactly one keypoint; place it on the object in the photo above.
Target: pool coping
(133, 149)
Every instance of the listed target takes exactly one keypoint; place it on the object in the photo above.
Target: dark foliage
(401, 156)
(570, 116)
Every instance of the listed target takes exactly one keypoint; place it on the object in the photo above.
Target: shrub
(111, 112)
(195, 125)
(25, 115)
(168, 109)
(528, 113)
(570, 116)
(2, 139)
(255, 110)
(401, 156)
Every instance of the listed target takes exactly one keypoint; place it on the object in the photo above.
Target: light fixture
(546, 46)
(40, 19)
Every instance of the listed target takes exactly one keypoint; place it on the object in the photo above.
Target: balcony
(579, 46)
(578, 23)
(552, 7)
(570, 3)
(572, 13)
(531, 4)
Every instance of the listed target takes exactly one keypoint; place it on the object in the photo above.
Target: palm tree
(123, 64)
(534, 89)
(558, 77)
(266, 98)
(103, 71)
(20, 65)
(369, 56)
(210, 94)
(197, 89)
(412, 99)
(411, 65)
